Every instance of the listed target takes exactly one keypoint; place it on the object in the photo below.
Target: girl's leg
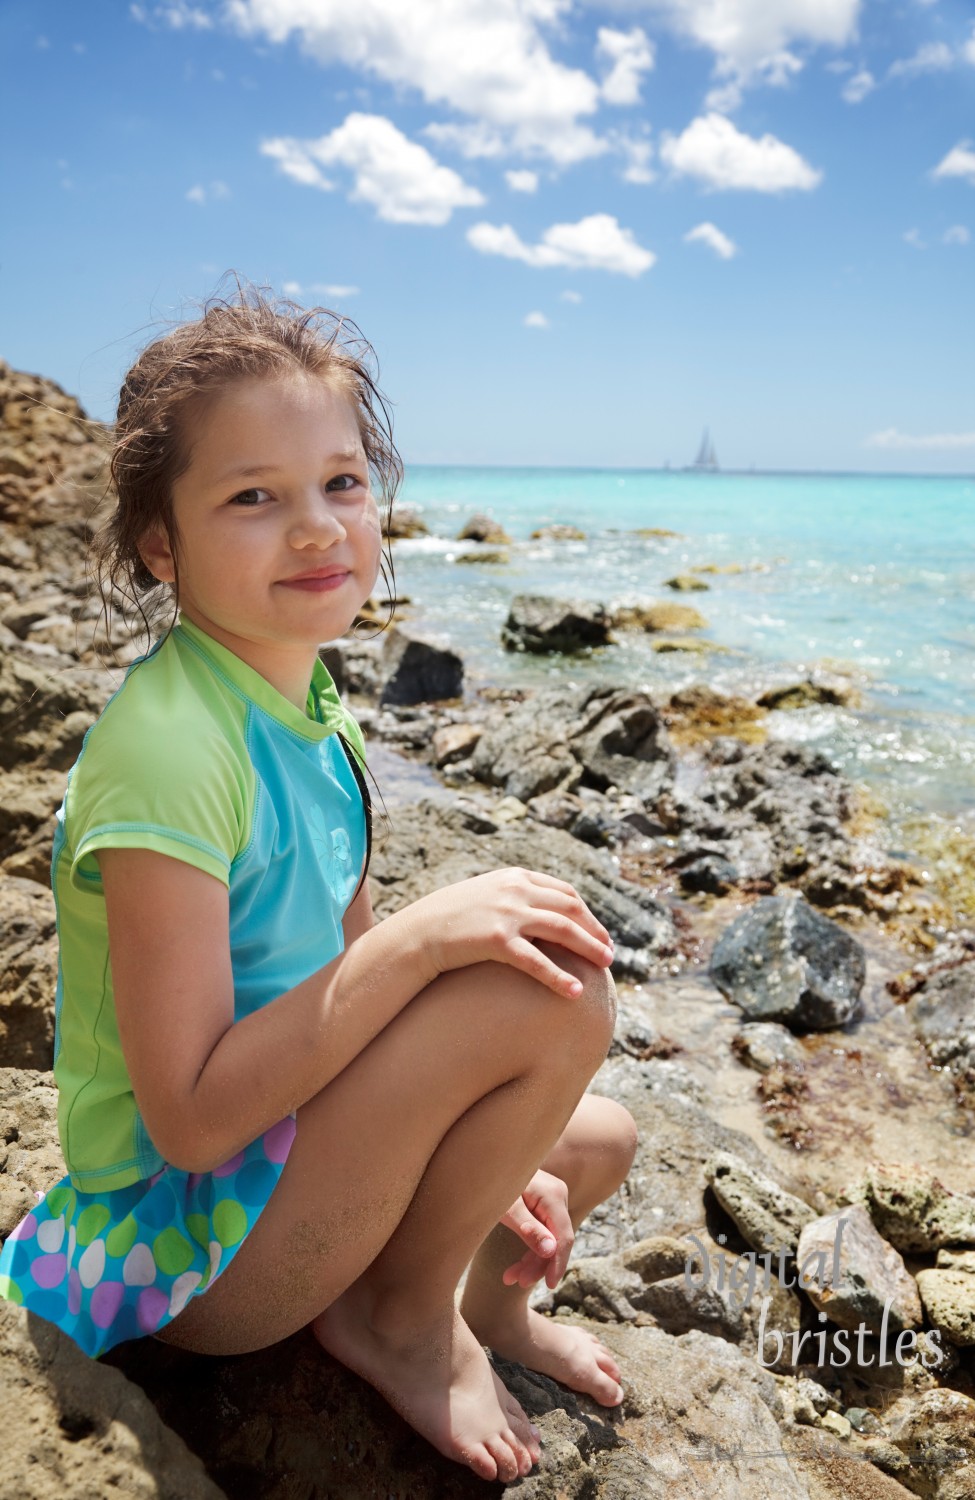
(398, 1170)
(592, 1157)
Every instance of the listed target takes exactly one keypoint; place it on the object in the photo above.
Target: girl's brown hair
(245, 334)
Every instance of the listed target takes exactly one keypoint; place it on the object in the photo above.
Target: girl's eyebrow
(254, 471)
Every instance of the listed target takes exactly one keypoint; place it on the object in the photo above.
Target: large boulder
(854, 1276)
(541, 625)
(562, 737)
(783, 961)
(417, 670)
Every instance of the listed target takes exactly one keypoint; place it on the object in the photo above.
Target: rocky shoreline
(788, 1275)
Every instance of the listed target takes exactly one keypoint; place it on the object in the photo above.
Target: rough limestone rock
(30, 1154)
(416, 670)
(853, 1275)
(541, 625)
(949, 1302)
(656, 1257)
(28, 974)
(783, 961)
(659, 617)
(767, 1216)
(763, 1045)
(74, 1428)
(913, 1210)
(686, 583)
(936, 1433)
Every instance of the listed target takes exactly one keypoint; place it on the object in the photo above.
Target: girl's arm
(207, 1086)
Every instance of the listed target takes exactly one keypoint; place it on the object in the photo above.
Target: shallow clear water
(871, 575)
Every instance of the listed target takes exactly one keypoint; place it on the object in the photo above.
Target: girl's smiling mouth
(320, 580)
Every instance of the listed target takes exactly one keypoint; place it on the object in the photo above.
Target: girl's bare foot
(566, 1353)
(438, 1378)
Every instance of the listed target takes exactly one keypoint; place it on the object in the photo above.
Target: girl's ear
(157, 554)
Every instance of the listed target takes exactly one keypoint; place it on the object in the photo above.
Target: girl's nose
(314, 522)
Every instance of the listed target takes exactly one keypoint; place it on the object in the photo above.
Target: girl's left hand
(540, 1217)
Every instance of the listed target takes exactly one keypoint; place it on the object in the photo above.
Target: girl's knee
(591, 1016)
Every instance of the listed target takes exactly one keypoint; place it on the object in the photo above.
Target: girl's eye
(344, 483)
(249, 497)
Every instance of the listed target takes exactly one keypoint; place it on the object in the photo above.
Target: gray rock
(417, 670)
(431, 845)
(555, 738)
(949, 1302)
(943, 1013)
(768, 1217)
(541, 625)
(783, 961)
(854, 1276)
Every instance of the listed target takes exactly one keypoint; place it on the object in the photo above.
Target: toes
(502, 1452)
(606, 1362)
(482, 1462)
(526, 1432)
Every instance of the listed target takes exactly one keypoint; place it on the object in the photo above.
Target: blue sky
(576, 233)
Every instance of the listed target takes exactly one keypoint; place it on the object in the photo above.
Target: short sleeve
(179, 789)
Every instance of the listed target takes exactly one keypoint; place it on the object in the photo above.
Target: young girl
(275, 1112)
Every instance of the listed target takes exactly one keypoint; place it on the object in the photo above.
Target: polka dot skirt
(106, 1267)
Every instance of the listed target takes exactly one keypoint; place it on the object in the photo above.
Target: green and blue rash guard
(198, 757)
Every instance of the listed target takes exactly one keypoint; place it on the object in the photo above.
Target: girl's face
(279, 533)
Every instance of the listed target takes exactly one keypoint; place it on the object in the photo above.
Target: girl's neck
(287, 668)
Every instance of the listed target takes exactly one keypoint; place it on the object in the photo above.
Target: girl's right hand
(499, 916)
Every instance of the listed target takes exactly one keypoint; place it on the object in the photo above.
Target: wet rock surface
(855, 1276)
(673, 819)
(782, 961)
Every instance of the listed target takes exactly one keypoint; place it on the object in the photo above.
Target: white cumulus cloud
(573, 297)
(968, 51)
(630, 55)
(913, 238)
(487, 59)
(399, 178)
(891, 438)
(933, 57)
(177, 14)
(522, 181)
(957, 235)
(714, 151)
(201, 194)
(960, 162)
(859, 86)
(637, 152)
(710, 234)
(319, 289)
(536, 320)
(596, 243)
(752, 39)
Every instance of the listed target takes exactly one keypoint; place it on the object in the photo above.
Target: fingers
(525, 956)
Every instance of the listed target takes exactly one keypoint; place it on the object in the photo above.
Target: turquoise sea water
(871, 576)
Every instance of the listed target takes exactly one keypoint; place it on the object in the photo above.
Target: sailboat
(707, 459)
